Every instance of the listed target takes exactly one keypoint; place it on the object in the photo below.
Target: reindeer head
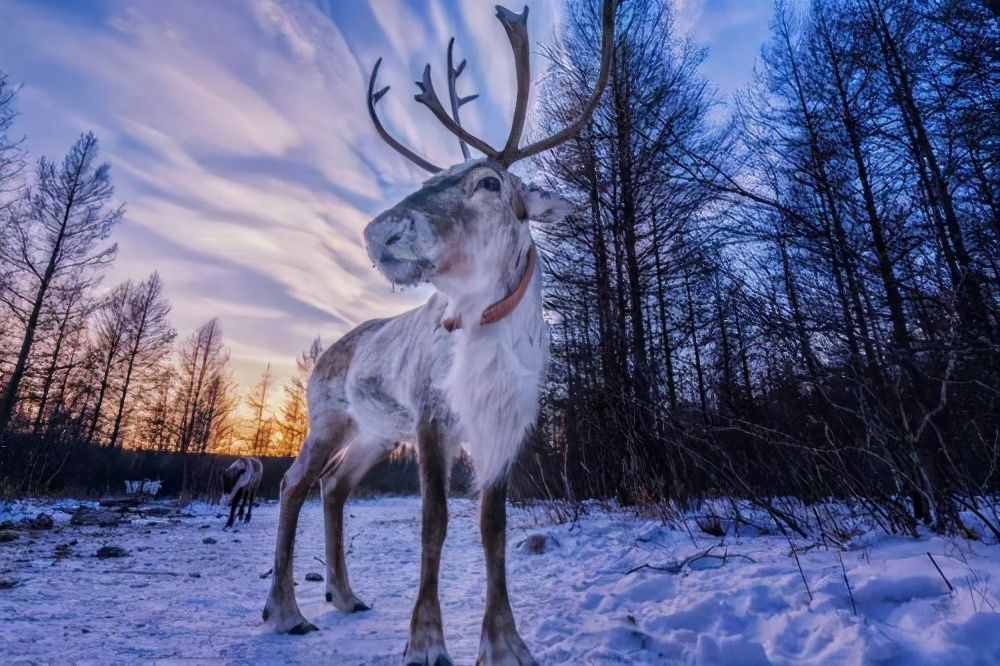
(231, 474)
(467, 225)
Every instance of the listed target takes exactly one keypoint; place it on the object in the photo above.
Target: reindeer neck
(514, 295)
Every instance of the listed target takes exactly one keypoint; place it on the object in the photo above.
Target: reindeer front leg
(426, 645)
(281, 612)
(500, 644)
(232, 507)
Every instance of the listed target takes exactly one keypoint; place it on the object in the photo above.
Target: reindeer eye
(489, 183)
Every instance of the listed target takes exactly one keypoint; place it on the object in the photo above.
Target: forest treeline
(801, 302)
(85, 366)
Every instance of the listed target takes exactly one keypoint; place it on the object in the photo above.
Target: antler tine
(429, 98)
(456, 101)
(516, 26)
(373, 99)
(567, 133)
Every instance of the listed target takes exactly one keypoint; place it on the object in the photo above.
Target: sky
(239, 140)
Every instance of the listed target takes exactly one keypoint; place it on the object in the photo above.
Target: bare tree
(109, 345)
(11, 155)
(70, 309)
(204, 392)
(149, 337)
(202, 358)
(293, 421)
(57, 230)
(261, 427)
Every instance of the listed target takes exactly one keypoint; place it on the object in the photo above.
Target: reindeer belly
(396, 373)
(378, 409)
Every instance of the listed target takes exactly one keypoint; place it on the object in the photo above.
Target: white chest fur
(494, 381)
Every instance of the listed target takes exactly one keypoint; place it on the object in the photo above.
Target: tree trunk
(900, 334)
(664, 329)
(699, 371)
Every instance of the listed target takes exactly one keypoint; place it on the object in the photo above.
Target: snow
(588, 599)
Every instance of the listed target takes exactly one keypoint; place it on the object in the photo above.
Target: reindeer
(463, 370)
(240, 482)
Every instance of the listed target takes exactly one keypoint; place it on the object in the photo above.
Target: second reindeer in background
(240, 483)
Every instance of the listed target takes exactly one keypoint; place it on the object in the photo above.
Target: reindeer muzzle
(403, 245)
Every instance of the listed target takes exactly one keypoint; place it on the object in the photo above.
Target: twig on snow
(801, 572)
(677, 567)
(674, 568)
(350, 543)
(943, 577)
(850, 592)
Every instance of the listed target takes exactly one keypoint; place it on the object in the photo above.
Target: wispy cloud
(240, 140)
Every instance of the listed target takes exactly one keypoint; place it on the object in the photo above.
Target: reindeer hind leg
(361, 455)
(253, 496)
(281, 612)
(244, 494)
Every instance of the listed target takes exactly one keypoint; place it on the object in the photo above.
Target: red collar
(504, 306)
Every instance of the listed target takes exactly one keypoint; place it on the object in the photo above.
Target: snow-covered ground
(175, 598)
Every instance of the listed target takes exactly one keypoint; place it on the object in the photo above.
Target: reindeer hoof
(440, 661)
(285, 618)
(430, 655)
(351, 604)
(506, 649)
(303, 628)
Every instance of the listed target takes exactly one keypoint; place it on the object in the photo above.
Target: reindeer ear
(542, 206)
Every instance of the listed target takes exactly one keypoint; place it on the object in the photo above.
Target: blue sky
(239, 139)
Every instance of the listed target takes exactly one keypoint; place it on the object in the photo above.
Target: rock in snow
(105, 552)
(42, 521)
(313, 577)
(536, 544)
(95, 517)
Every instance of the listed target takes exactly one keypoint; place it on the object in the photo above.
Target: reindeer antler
(456, 101)
(517, 32)
(516, 26)
(428, 97)
(373, 99)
